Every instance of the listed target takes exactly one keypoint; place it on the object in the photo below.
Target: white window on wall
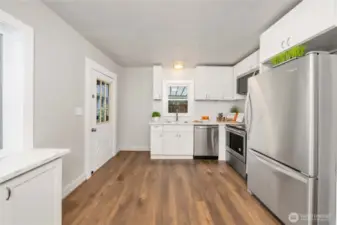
(178, 97)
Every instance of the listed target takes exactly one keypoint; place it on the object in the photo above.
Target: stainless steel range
(236, 148)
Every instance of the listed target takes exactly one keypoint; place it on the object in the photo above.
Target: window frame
(190, 92)
(107, 88)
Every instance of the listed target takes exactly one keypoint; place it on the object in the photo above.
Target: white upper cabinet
(247, 65)
(307, 20)
(157, 82)
(214, 83)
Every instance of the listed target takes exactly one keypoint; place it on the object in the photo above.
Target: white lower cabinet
(34, 198)
(157, 140)
(172, 141)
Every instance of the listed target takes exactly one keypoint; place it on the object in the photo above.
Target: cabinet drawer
(178, 128)
(156, 128)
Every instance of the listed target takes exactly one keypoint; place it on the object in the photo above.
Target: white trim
(73, 185)
(134, 148)
(92, 65)
(18, 63)
(170, 157)
(190, 84)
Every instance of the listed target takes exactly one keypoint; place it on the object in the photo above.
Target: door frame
(92, 65)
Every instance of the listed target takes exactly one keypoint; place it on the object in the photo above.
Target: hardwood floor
(133, 190)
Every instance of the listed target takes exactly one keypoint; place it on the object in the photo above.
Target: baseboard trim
(171, 157)
(73, 185)
(134, 148)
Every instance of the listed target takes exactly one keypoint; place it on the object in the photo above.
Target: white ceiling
(147, 32)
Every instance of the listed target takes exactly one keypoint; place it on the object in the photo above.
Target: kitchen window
(178, 98)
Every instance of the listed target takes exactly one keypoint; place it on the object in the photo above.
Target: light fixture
(178, 65)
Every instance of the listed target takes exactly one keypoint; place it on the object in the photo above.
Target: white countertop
(17, 163)
(192, 123)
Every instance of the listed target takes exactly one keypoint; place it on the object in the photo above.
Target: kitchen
(170, 112)
(264, 149)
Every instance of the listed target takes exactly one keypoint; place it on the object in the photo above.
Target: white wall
(135, 107)
(58, 81)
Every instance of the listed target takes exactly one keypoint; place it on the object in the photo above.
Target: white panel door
(102, 127)
(34, 198)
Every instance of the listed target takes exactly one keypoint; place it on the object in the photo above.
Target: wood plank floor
(133, 190)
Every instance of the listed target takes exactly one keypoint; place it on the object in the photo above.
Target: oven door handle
(231, 130)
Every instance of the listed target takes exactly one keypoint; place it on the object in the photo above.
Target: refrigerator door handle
(248, 120)
(281, 169)
(246, 112)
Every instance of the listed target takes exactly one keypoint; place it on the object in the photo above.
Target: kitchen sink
(176, 122)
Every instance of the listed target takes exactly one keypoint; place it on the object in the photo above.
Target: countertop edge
(42, 157)
(192, 124)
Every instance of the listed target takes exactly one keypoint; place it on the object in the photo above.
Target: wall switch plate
(78, 111)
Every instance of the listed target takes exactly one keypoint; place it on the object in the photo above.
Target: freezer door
(281, 111)
(287, 193)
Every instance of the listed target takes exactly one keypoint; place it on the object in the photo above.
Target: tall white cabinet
(213, 83)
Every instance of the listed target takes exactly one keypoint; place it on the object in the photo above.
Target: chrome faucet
(177, 116)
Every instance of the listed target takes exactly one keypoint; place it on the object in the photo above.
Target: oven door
(236, 143)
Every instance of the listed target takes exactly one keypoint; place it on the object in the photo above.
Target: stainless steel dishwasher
(206, 142)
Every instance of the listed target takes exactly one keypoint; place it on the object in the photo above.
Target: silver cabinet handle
(288, 39)
(93, 129)
(9, 191)
(282, 44)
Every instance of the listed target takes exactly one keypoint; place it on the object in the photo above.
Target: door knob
(93, 129)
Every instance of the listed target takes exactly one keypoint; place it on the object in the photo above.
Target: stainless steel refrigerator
(291, 114)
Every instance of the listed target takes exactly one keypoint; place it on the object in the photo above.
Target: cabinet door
(272, 40)
(214, 83)
(170, 143)
(185, 143)
(201, 85)
(157, 82)
(33, 198)
(156, 141)
(227, 87)
(309, 19)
